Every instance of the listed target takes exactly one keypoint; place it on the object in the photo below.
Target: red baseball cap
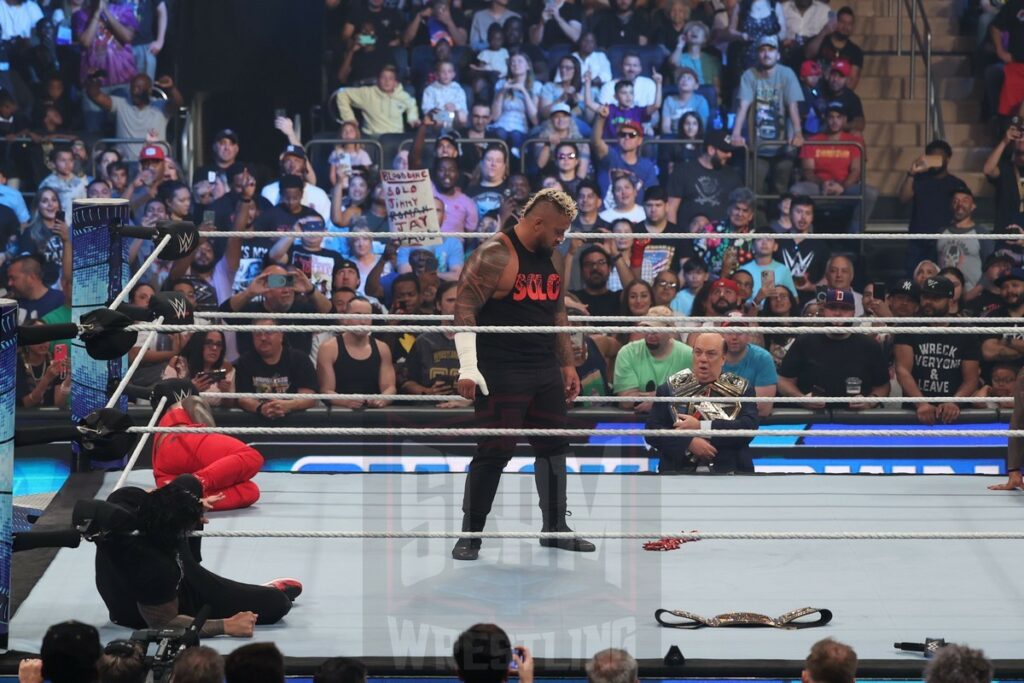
(726, 283)
(810, 67)
(632, 125)
(842, 66)
(152, 152)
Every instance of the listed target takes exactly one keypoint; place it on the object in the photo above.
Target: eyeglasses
(595, 264)
(570, 155)
(628, 134)
(213, 343)
(667, 285)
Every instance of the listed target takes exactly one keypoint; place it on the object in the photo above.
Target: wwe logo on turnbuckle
(8, 323)
(185, 242)
(180, 308)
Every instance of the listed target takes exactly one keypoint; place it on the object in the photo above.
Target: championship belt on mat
(745, 619)
(683, 383)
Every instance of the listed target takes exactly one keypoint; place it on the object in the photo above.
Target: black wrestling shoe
(467, 549)
(576, 545)
(290, 587)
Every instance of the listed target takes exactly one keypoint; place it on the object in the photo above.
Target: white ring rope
(602, 236)
(748, 320)
(484, 431)
(593, 329)
(134, 458)
(443, 398)
(640, 535)
(126, 380)
(140, 273)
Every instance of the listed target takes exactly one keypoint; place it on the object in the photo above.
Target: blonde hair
(557, 198)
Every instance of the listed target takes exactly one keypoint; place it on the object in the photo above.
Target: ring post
(100, 269)
(8, 366)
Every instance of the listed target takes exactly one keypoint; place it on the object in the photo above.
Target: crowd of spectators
(71, 652)
(657, 117)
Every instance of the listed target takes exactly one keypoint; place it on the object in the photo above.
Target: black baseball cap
(937, 286)
(294, 150)
(719, 139)
(1015, 274)
(836, 106)
(906, 287)
(226, 133)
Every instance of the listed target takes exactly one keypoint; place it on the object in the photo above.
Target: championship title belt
(789, 620)
(683, 383)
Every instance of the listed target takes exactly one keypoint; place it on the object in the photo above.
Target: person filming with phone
(43, 379)
(201, 361)
(278, 290)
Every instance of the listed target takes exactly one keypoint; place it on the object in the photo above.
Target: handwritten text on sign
(410, 204)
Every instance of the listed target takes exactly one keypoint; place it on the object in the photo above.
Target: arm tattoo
(563, 345)
(479, 280)
(1015, 450)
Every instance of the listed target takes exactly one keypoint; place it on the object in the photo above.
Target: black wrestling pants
(225, 597)
(531, 398)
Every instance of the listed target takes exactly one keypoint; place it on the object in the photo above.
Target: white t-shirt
(644, 92)
(312, 196)
(808, 24)
(636, 214)
(18, 21)
(598, 65)
(436, 96)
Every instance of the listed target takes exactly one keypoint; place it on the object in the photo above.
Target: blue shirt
(683, 302)
(450, 254)
(757, 367)
(12, 199)
(644, 171)
(783, 276)
(29, 309)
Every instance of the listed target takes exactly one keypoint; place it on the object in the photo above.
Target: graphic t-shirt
(938, 360)
(292, 372)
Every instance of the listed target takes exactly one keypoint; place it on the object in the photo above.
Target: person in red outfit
(223, 464)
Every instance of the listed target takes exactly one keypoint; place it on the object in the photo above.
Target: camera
(170, 643)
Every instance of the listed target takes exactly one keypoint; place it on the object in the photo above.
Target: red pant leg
(221, 461)
(225, 461)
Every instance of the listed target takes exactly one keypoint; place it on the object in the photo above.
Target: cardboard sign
(410, 202)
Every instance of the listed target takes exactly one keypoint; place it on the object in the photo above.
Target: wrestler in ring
(518, 380)
(1015, 444)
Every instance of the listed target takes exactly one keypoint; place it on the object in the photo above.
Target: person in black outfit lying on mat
(155, 580)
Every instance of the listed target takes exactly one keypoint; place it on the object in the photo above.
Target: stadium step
(914, 111)
(896, 158)
(888, 182)
(898, 87)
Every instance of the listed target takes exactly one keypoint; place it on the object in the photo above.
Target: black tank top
(353, 376)
(532, 301)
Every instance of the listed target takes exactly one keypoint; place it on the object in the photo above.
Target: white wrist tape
(465, 346)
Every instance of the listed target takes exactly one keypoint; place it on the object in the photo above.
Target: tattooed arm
(563, 345)
(478, 282)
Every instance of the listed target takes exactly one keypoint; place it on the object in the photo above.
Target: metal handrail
(824, 197)
(185, 144)
(409, 142)
(920, 40)
(324, 142)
